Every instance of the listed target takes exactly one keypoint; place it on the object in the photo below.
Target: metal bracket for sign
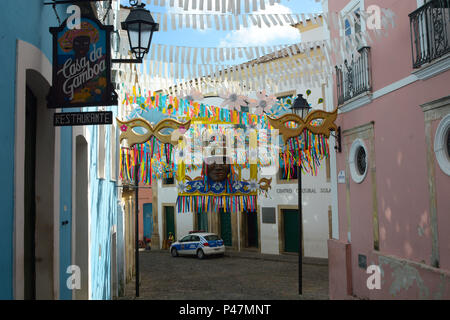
(126, 60)
(338, 136)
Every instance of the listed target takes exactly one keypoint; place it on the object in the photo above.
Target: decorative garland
(182, 107)
(314, 148)
(205, 203)
(155, 159)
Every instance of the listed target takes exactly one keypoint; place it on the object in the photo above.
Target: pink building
(393, 192)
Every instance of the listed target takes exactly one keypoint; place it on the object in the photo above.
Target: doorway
(38, 185)
(113, 266)
(148, 220)
(30, 197)
(250, 228)
(225, 228)
(290, 226)
(81, 218)
(169, 221)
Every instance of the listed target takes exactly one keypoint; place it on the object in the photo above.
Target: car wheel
(200, 254)
(174, 252)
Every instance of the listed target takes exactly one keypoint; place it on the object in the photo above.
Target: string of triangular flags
(225, 22)
(176, 64)
(169, 21)
(233, 6)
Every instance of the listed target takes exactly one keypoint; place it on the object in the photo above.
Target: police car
(199, 244)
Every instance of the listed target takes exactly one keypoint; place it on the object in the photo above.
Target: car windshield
(185, 239)
(211, 237)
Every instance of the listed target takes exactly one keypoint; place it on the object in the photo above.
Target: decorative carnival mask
(327, 124)
(135, 138)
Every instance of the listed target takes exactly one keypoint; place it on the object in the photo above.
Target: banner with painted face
(82, 65)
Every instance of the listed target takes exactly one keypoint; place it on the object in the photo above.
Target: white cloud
(255, 36)
(252, 35)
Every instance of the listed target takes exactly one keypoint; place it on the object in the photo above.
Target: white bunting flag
(188, 20)
(202, 21)
(165, 23)
(255, 5)
(208, 55)
(264, 18)
(173, 22)
(224, 24)
(216, 21)
(245, 22)
(272, 18)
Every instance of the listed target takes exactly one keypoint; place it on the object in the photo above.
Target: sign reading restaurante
(82, 118)
(82, 66)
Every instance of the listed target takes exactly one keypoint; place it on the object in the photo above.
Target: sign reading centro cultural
(82, 66)
(82, 118)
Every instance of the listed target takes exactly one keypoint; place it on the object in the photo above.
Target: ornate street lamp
(300, 107)
(140, 27)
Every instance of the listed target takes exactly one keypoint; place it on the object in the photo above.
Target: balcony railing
(430, 32)
(354, 77)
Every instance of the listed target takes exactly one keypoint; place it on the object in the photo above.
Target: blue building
(60, 224)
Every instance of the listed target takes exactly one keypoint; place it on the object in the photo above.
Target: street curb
(279, 258)
(265, 257)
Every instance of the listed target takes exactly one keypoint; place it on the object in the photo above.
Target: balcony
(430, 32)
(354, 78)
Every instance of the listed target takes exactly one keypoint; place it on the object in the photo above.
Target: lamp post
(300, 108)
(133, 139)
(140, 27)
(136, 180)
(303, 118)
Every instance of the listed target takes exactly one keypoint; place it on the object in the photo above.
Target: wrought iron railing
(430, 32)
(354, 77)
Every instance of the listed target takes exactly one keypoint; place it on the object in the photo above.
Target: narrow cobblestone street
(236, 276)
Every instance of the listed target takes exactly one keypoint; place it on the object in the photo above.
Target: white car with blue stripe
(199, 244)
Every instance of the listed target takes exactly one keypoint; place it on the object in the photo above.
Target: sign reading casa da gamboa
(82, 65)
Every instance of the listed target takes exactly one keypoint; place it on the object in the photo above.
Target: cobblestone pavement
(235, 276)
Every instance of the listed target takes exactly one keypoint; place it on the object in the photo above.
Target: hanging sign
(82, 65)
(82, 118)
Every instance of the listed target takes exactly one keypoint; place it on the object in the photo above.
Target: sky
(251, 36)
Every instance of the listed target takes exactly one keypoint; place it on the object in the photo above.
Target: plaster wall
(103, 217)
(33, 29)
(399, 180)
